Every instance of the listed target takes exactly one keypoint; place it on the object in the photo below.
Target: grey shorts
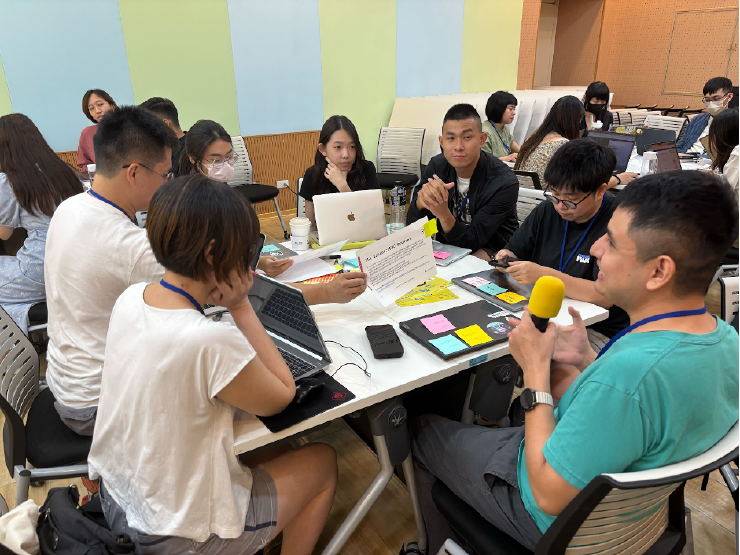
(259, 528)
(80, 421)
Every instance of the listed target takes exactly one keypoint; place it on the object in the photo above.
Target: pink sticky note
(442, 255)
(437, 324)
(476, 281)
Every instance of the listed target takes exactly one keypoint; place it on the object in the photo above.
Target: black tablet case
(502, 280)
(481, 313)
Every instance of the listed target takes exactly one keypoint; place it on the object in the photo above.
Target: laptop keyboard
(292, 311)
(298, 367)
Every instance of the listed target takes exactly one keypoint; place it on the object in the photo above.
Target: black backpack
(64, 528)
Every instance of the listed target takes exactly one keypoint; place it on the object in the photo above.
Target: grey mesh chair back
(19, 367)
(399, 150)
(528, 200)
(243, 173)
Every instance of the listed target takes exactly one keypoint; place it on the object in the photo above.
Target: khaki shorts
(259, 527)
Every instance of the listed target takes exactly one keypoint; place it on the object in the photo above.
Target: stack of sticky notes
(439, 255)
(449, 344)
(432, 291)
(494, 290)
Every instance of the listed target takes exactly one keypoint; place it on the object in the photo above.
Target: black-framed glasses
(567, 203)
(715, 98)
(167, 177)
(219, 162)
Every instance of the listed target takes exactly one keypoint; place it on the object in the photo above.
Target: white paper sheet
(309, 264)
(399, 262)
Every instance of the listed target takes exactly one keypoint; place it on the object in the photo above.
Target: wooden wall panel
(576, 42)
(635, 43)
(274, 158)
(278, 157)
(528, 44)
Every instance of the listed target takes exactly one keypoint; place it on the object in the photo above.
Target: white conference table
(388, 378)
(635, 165)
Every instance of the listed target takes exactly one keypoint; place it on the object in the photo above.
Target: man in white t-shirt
(95, 251)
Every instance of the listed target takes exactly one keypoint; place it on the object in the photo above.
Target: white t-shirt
(93, 253)
(163, 443)
(698, 147)
(463, 185)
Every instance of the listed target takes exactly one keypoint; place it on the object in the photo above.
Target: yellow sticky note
(473, 335)
(511, 297)
(430, 228)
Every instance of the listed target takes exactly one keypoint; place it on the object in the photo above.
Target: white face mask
(223, 174)
(716, 107)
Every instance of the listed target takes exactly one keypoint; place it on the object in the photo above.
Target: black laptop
(620, 143)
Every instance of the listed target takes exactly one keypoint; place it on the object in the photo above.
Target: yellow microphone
(546, 300)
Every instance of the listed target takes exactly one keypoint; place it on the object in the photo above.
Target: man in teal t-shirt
(664, 392)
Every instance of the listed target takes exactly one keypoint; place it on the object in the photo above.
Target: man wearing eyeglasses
(717, 96)
(556, 237)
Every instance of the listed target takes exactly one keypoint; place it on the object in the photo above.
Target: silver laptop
(290, 323)
(456, 253)
(356, 216)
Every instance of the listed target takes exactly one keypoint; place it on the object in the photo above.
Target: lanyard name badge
(562, 266)
(184, 293)
(625, 331)
(113, 204)
(499, 136)
(462, 208)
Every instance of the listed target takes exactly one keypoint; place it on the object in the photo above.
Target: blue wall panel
(429, 39)
(53, 52)
(277, 65)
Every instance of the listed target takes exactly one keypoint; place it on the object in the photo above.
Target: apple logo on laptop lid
(351, 217)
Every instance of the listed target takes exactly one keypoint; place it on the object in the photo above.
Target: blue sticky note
(270, 248)
(353, 262)
(448, 344)
(491, 289)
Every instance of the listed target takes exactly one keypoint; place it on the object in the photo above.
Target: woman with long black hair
(33, 182)
(339, 165)
(723, 146)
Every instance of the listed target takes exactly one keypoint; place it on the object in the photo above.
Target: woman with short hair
(95, 104)
(500, 111)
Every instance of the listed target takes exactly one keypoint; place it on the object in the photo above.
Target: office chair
(625, 513)
(43, 448)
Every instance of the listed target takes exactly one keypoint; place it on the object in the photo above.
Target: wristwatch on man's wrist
(531, 398)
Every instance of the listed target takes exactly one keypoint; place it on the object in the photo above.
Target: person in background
(631, 408)
(197, 497)
(470, 192)
(596, 103)
(95, 104)
(723, 146)
(500, 111)
(563, 123)
(717, 96)
(208, 150)
(555, 239)
(33, 182)
(339, 164)
(166, 110)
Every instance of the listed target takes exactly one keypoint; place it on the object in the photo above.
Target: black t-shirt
(539, 239)
(176, 155)
(371, 181)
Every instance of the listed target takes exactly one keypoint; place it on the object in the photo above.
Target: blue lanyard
(565, 235)
(462, 208)
(185, 294)
(677, 314)
(113, 204)
(499, 136)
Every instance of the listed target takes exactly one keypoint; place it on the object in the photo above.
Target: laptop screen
(668, 159)
(620, 143)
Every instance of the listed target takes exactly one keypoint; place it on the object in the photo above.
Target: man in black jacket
(471, 193)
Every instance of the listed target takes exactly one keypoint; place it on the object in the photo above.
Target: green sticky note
(270, 248)
(448, 344)
(491, 289)
(353, 262)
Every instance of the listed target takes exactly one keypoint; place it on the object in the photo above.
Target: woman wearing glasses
(556, 238)
(95, 104)
(33, 182)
